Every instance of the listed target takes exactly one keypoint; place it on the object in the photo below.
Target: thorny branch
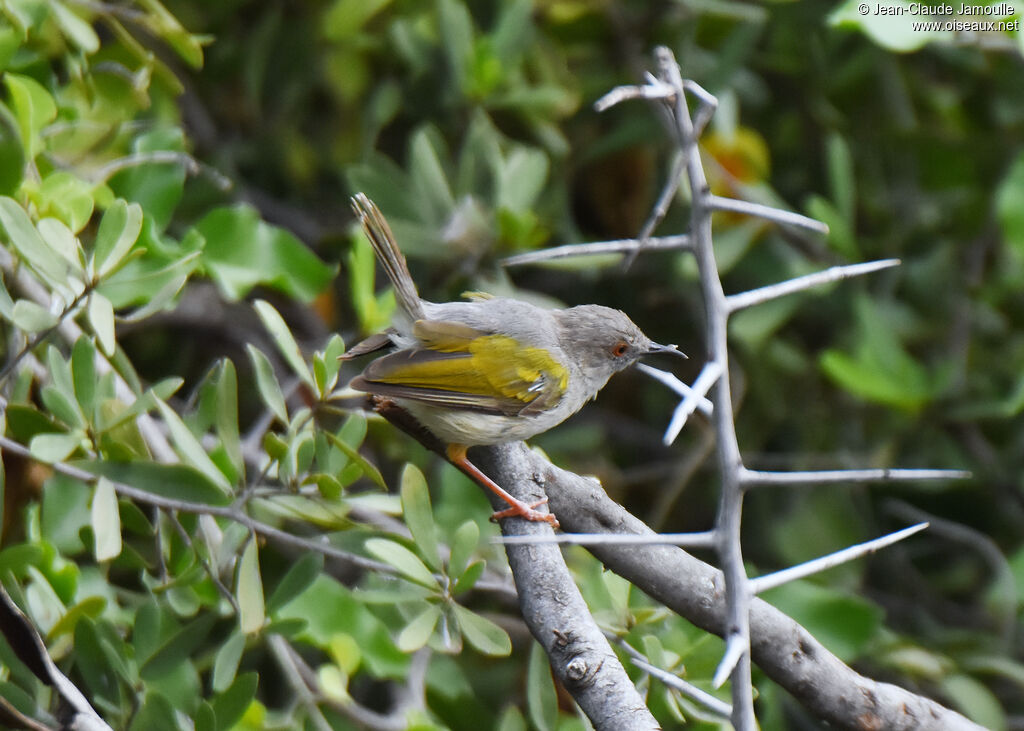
(668, 89)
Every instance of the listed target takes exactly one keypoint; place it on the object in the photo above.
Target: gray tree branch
(780, 646)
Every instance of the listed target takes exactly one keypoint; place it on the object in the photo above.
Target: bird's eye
(620, 348)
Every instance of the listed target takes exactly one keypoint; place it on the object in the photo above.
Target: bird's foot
(526, 511)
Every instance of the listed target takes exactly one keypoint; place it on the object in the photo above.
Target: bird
(489, 370)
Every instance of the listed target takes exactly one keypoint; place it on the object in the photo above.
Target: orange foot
(526, 511)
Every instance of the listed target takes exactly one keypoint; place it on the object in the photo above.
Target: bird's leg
(457, 454)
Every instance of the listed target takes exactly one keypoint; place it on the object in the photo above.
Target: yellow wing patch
(495, 369)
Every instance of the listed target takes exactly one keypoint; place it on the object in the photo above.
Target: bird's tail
(389, 255)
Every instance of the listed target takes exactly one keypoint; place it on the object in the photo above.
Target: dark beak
(654, 348)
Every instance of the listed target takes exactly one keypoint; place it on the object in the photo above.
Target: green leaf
(482, 633)
(299, 577)
(405, 561)
(119, 229)
(63, 405)
(345, 18)
(66, 197)
(225, 664)
(33, 108)
(147, 282)
(12, 154)
(91, 607)
(521, 179)
(266, 383)
(175, 649)
(844, 624)
(60, 238)
(249, 591)
(28, 243)
(368, 468)
(469, 577)
(32, 318)
(1010, 205)
(106, 521)
(227, 415)
(463, 545)
(230, 706)
(880, 369)
(840, 236)
(282, 336)
(101, 317)
(333, 351)
(419, 516)
(511, 720)
(975, 701)
(418, 631)
(457, 38)
(75, 29)
(190, 448)
(50, 448)
(172, 481)
(427, 173)
(541, 700)
(205, 719)
(83, 374)
(160, 301)
(156, 186)
(893, 36)
(156, 714)
(242, 251)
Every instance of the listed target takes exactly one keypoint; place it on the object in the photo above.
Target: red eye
(620, 349)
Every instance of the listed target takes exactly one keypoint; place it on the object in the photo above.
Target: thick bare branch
(783, 649)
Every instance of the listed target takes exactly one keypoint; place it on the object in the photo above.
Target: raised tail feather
(389, 255)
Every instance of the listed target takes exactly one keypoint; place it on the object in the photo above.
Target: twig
(660, 209)
(770, 581)
(691, 691)
(207, 566)
(617, 246)
(285, 657)
(191, 165)
(833, 274)
(706, 110)
(769, 213)
(754, 478)
(709, 376)
(653, 89)
(704, 404)
(672, 680)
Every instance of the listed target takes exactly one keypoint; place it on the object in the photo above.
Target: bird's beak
(654, 348)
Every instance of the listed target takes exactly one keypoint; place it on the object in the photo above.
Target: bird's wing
(372, 344)
(460, 367)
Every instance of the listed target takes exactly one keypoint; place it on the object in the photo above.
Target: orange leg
(457, 454)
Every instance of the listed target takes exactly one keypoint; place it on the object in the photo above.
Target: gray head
(601, 341)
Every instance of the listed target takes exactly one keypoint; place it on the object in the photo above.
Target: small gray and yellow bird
(493, 369)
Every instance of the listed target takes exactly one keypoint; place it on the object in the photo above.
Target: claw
(526, 511)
